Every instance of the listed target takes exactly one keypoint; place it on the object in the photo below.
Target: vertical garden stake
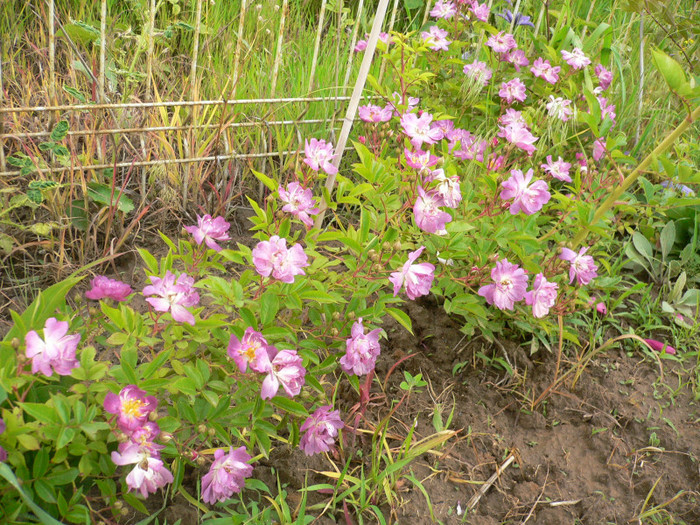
(355, 100)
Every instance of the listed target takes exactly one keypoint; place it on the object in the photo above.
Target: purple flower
(436, 39)
(360, 46)
(443, 9)
(420, 160)
(517, 58)
(3, 452)
(319, 156)
(543, 69)
(501, 42)
(321, 430)
(557, 169)
(398, 101)
(447, 187)
(132, 407)
(526, 197)
(520, 19)
(300, 202)
(226, 475)
(598, 149)
(513, 90)
(148, 475)
(372, 113)
(418, 278)
(479, 72)
(361, 350)
(174, 296)
(105, 287)
(659, 346)
(510, 285)
(249, 351)
(559, 107)
(273, 257)
(446, 126)
(576, 58)
(209, 230)
(542, 296)
(285, 369)
(56, 351)
(519, 135)
(606, 110)
(604, 75)
(419, 130)
(583, 269)
(481, 11)
(429, 217)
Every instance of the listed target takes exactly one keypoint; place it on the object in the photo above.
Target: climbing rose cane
(321, 430)
(54, 353)
(226, 475)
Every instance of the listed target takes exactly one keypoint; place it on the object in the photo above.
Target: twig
(534, 505)
(486, 486)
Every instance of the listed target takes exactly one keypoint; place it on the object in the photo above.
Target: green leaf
(59, 131)
(65, 436)
(669, 68)
(44, 491)
(28, 441)
(41, 412)
(267, 181)
(35, 196)
(75, 93)
(402, 318)
(269, 306)
(667, 239)
(103, 194)
(643, 246)
(289, 405)
(44, 518)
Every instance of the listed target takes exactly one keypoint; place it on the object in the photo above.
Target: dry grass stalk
(473, 502)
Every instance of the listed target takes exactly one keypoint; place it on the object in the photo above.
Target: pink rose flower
(174, 296)
(321, 430)
(519, 135)
(436, 39)
(509, 285)
(598, 149)
(361, 350)
(576, 58)
(132, 407)
(479, 72)
(149, 473)
(226, 475)
(557, 169)
(209, 231)
(427, 213)
(501, 42)
(513, 90)
(542, 296)
(249, 351)
(447, 187)
(274, 258)
(420, 160)
(54, 353)
(559, 108)
(419, 130)
(604, 75)
(319, 156)
(104, 287)
(527, 197)
(299, 202)
(481, 11)
(582, 268)
(284, 369)
(443, 9)
(517, 58)
(418, 278)
(543, 69)
(372, 113)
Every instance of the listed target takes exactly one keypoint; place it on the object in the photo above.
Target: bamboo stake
(239, 45)
(353, 43)
(52, 53)
(151, 45)
(427, 12)
(3, 166)
(193, 96)
(173, 103)
(278, 55)
(103, 47)
(392, 21)
(115, 131)
(355, 100)
(160, 161)
(317, 45)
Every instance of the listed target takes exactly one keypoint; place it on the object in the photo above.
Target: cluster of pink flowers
(513, 90)
(173, 295)
(543, 69)
(321, 429)
(319, 155)
(54, 353)
(134, 409)
(604, 75)
(514, 129)
(226, 475)
(283, 367)
(102, 287)
(274, 258)
(299, 202)
(209, 230)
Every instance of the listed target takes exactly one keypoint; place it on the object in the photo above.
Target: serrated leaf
(35, 196)
(42, 184)
(59, 132)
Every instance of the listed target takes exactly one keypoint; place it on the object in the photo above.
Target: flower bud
(211, 431)
(377, 267)
(397, 245)
(334, 332)
(280, 214)
(202, 429)
(374, 257)
(372, 253)
(351, 316)
(15, 343)
(166, 437)
(201, 461)
(153, 416)
(335, 316)
(118, 505)
(93, 311)
(386, 246)
(122, 438)
(124, 512)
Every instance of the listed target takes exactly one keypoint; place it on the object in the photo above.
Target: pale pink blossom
(319, 155)
(131, 406)
(284, 369)
(428, 215)
(576, 58)
(419, 130)
(443, 9)
(501, 42)
(520, 136)
(527, 197)
(509, 285)
(420, 160)
(299, 202)
(598, 149)
(542, 296)
(445, 126)
(397, 103)
(149, 473)
(512, 117)
(209, 230)
(436, 39)
(607, 110)
(557, 168)
(513, 90)
(479, 72)
(103, 287)
(582, 268)
(361, 351)
(417, 278)
(481, 11)
(517, 58)
(559, 108)
(173, 296)
(543, 69)
(226, 475)
(249, 351)
(54, 353)
(373, 113)
(604, 75)
(321, 428)
(274, 258)
(447, 187)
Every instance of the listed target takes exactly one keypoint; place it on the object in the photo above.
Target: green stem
(632, 177)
